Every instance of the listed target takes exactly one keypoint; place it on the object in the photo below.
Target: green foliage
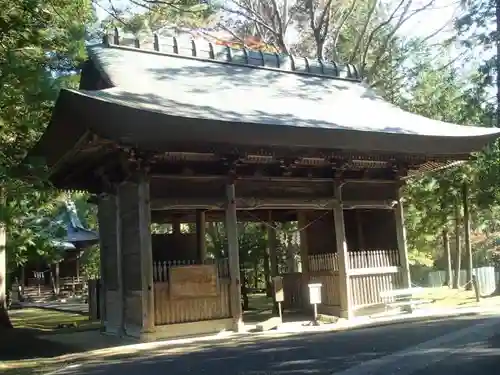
(477, 32)
(41, 47)
(153, 16)
(443, 94)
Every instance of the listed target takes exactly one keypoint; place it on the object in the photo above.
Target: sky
(422, 24)
(432, 19)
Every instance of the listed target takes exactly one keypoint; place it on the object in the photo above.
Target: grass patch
(50, 321)
(448, 298)
(27, 344)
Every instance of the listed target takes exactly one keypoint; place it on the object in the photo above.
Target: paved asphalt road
(458, 346)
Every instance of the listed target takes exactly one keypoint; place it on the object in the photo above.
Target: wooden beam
(301, 203)
(189, 216)
(240, 204)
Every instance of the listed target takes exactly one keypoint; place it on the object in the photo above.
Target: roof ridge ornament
(205, 49)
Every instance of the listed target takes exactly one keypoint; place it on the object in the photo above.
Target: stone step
(268, 324)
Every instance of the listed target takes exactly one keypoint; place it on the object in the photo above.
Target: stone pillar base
(345, 314)
(238, 326)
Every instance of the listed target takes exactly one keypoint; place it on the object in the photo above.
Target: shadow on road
(314, 353)
(476, 358)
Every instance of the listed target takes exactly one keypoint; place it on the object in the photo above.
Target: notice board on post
(197, 280)
(279, 295)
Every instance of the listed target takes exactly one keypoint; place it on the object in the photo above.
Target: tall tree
(41, 47)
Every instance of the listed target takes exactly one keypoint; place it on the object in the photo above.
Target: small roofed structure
(167, 132)
(70, 237)
(77, 235)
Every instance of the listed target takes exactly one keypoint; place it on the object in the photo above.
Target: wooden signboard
(279, 295)
(193, 281)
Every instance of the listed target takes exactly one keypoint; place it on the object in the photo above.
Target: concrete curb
(382, 322)
(327, 328)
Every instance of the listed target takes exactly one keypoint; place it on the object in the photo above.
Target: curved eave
(63, 134)
(139, 121)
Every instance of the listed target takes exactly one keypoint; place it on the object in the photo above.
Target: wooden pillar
(137, 256)
(359, 230)
(200, 235)
(304, 254)
(176, 225)
(234, 258)
(267, 266)
(56, 278)
(343, 256)
(468, 246)
(111, 302)
(272, 244)
(77, 268)
(401, 241)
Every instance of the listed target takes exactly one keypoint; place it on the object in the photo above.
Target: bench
(406, 299)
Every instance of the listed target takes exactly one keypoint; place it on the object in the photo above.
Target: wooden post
(200, 235)
(304, 254)
(111, 293)
(146, 252)
(272, 244)
(57, 286)
(343, 255)
(118, 258)
(447, 253)
(234, 258)
(475, 285)
(77, 268)
(458, 253)
(359, 230)
(468, 247)
(401, 240)
(137, 256)
(267, 267)
(176, 225)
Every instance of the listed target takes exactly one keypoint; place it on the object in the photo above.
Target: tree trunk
(267, 271)
(4, 315)
(458, 252)
(468, 247)
(447, 253)
(55, 279)
(256, 274)
(497, 16)
(244, 291)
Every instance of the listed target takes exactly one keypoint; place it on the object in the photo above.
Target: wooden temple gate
(199, 135)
